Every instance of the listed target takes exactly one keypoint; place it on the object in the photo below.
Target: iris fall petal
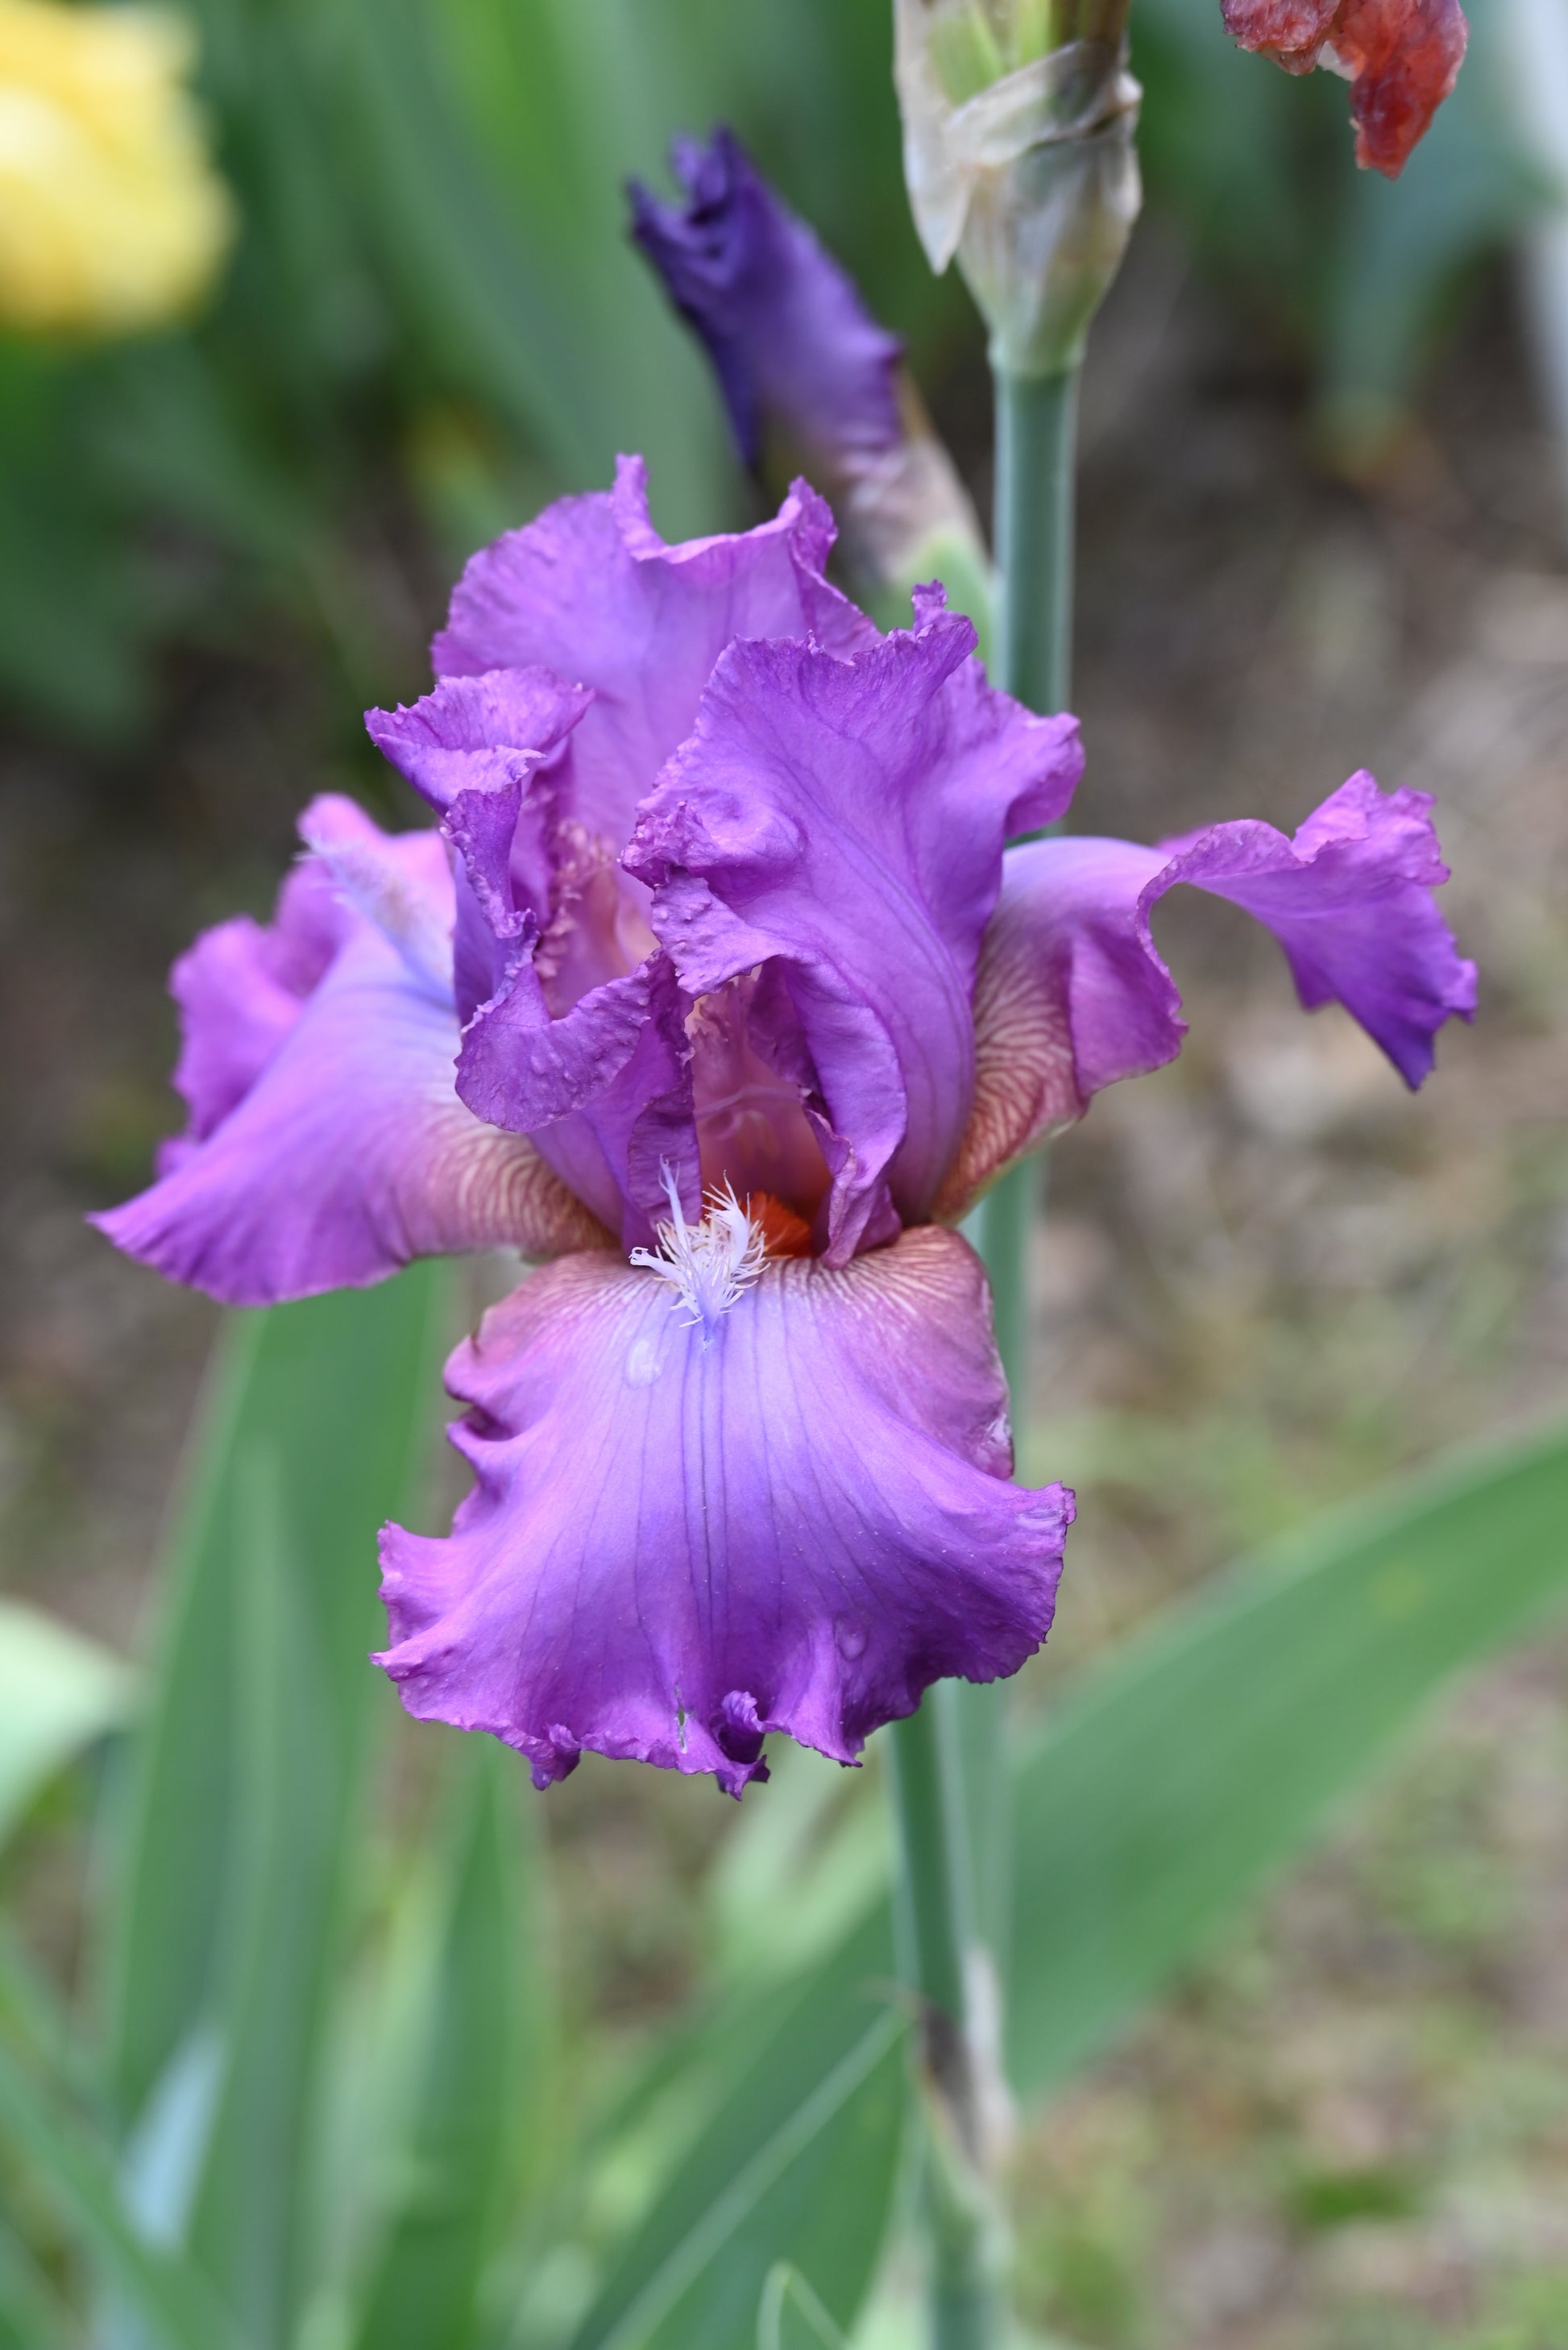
(682, 1538)
(1072, 993)
(327, 1147)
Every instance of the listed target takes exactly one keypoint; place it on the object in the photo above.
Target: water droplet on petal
(850, 1635)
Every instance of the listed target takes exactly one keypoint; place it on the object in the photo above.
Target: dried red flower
(1402, 58)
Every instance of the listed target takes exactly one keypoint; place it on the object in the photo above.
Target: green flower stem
(941, 1963)
(948, 1766)
(946, 1761)
(937, 1897)
(1036, 437)
(1036, 442)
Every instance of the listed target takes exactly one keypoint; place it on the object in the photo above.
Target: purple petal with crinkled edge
(675, 1547)
(797, 352)
(604, 1090)
(590, 591)
(240, 990)
(1072, 993)
(476, 749)
(559, 1034)
(485, 731)
(1364, 932)
(347, 1151)
(847, 820)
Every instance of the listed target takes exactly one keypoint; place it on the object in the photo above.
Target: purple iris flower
(746, 999)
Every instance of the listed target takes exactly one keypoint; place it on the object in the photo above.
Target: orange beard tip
(783, 1232)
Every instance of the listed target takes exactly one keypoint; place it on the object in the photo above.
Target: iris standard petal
(570, 1025)
(846, 818)
(682, 1538)
(477, 748)
(1072, 993)
(605, 1090)
(346, 1152)
(480, 731)
(590, 591)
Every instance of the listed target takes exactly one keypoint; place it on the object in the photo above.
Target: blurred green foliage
(434, 320)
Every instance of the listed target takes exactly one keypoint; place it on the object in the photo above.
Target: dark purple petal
(591, 592)
(847, 819)
(800, 360)
(341, 1150)
(682, 1539)
(1072, 993)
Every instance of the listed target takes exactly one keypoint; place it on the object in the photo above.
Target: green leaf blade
(481, 2058)
(791, 2317)
(174, 2302)
(58, 1693)
(798, 2161)
(1198, 1761)
(232, 1900)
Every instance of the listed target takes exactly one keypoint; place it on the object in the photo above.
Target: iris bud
(1019, 124)
(811, 382)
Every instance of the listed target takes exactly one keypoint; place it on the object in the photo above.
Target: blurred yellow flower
(111, 216)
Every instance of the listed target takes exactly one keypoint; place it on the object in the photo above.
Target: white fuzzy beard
(710, 1264)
